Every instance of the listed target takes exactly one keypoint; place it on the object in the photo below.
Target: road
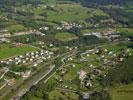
(45, 76)
(26, 89)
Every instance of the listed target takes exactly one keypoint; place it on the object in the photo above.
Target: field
(94, 30)
(15, 28)
(126, 31)
(122, 92)
(65, 36)
(62, 95)
(8, 50)
(70, 12)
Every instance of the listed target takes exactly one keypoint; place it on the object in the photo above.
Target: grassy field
(8, 50)
(122, 92)
(62, 95)
(72, 12)
(15, 28)
(126, 31)
(94, 30)
(65, 36)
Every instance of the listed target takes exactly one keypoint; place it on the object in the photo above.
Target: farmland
(8, 50)
(122, 92)
(66, 50)
(70, 12)
(65, 36)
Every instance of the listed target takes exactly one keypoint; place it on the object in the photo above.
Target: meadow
(72, 12)
(126, 31)
(8, 50)
(65, 36)
(122, 92)
(62, 95)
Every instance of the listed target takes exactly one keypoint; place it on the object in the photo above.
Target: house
(85, 96)
(11, 82)
(70, 59)
(82, 75)
(26, 74)
(35, 64)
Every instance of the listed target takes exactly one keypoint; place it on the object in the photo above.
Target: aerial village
(74, 68)
(88, 67)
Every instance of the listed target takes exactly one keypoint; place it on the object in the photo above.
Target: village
(86, 69)
(63, 49)
(22, 66)
(84, 72)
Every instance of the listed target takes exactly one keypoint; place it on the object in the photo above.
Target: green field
(15, 28)
(126, 31)
(122, 92)
(65, 36)
(62, 95)
(72, 12)
(8, 50)
(94, 30)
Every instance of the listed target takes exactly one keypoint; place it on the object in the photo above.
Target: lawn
(8, 50)
(65, 36)
(122, 92)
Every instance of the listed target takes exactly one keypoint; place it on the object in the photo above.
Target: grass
(126, 31)
(15, 28)
(94, 30)
(122, 92)
(116, 47)
(72, 12)
(58, 94)
(65, 36)
(8, 50)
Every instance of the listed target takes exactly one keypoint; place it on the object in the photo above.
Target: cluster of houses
(29, 32)
(87, 78)
(69, 25)
(66, 26)
(4, 34)
(106, 58)
(49, 6)
(33, 57)
(4, 18)
(110, 35)
(84, 79)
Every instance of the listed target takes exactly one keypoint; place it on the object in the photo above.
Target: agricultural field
(9, 50)
(16, 28)
(66, 50)
(72, 12)
(65, 36)
(124, 92)
(60, 94)
(126, 31)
